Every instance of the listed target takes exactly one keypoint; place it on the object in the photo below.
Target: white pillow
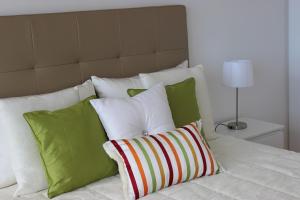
(128, 117)
(117, 87)
(176, 75)
(183, 65)
(25, 158)
(7, 176)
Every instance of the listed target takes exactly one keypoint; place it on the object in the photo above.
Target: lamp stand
(237, 125)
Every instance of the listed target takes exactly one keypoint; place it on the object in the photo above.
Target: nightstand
(258, 131)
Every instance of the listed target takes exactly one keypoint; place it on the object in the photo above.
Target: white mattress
(252, 171)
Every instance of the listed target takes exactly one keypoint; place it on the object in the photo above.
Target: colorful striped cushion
(148, 164)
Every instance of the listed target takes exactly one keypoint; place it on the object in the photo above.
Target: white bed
(252, 171)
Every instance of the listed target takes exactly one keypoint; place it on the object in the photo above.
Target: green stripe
(218, 171)
(187, 161)
(149, 163)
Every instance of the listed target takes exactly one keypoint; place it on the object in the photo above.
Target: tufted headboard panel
(47, 52)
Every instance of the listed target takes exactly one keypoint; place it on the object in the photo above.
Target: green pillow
(182, 100)
(70, 142)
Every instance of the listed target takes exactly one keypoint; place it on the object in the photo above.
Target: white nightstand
(258, 131)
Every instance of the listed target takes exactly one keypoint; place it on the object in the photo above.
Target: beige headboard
(46, 52)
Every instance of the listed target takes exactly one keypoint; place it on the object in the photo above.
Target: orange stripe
(139, 164)
(176, 157)
(161, 169)
(212, 165)
(192, 150)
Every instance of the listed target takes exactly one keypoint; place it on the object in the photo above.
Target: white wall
(294, 52)
(218, 30)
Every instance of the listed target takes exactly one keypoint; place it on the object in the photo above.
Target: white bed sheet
(252, 171)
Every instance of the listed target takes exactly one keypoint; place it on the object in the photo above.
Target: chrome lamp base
(237, 125)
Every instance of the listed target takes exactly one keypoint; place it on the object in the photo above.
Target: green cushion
(182, 100)
(70, 142)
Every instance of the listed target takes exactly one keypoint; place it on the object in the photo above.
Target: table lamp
(237, 74)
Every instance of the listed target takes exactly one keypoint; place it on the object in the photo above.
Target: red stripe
(167, 158)
(132, 179)
(211, 158)
(200, 148)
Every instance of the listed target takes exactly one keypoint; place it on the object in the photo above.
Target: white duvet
(252, 171)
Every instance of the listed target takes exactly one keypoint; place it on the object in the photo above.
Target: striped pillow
(148, 164)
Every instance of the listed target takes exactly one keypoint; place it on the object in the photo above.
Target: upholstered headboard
(46, 52)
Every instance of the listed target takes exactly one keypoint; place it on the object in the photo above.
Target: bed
(47, 52)
(252, 171)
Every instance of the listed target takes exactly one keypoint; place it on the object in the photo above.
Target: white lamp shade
(238, 73)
